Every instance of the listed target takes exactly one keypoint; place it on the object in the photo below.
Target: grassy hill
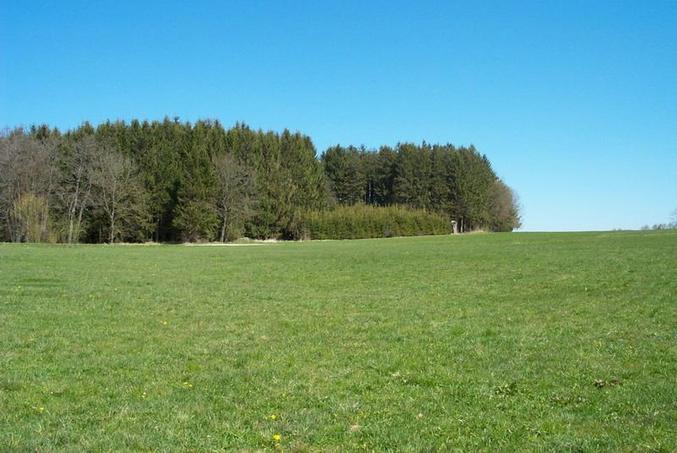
(523, 341)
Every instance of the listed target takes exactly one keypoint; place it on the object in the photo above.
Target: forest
(172, 181)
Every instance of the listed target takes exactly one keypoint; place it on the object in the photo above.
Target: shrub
(362, 221)
(31, 214)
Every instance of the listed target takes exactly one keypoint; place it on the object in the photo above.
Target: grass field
(529, 341)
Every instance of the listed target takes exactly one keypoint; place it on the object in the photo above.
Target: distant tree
(671, 225)
(118, 192)
(276, 178)
(412, 176)
(441, 180)
(471, 192)
(378, 168)
(161, 167)
(298, 158)
(195, 215)
(236, 195)
(381, 176)
(504, 208)
(27, 177)
(346, 175)
(196, 219)
(74, 189)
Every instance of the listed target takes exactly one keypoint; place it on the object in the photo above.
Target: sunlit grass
(484, 342)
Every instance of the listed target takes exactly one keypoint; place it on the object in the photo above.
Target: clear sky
(575, 103)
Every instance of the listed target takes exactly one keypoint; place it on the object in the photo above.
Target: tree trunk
(112, 227)
(71, 217)
(223, 227)
(157, 230)
(74, 206)
(77, 228)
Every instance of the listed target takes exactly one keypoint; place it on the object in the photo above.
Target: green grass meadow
(487, 342)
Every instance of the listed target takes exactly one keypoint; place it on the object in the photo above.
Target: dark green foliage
(363, 221)
(457, 183)
(412, 175)
(179, 191)
(196, 216)
(346, 174)
(441, 180)
(471, 191)
(297, 154)
(196, 219)
(379, 168)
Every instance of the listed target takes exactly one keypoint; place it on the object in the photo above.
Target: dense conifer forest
(176, 181)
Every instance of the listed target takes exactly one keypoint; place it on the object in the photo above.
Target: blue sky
(575, 103)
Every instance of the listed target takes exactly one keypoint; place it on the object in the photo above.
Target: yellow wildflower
(277, 437)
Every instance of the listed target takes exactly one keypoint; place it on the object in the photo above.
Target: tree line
(176, 181)
(458, 183)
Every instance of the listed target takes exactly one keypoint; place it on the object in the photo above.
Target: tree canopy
(176, 181)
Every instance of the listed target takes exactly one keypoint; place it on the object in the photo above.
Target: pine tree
(347, 178)
(412, 173)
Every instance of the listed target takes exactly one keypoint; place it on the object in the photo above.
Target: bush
(362, 221)
(31, 214)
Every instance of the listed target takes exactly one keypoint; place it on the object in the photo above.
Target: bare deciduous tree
(235, 193)
(75, 186)
(119, 193)
(26, 170)
(504, 207)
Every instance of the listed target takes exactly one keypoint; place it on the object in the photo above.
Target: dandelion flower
(277, 437)
(273, 417)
